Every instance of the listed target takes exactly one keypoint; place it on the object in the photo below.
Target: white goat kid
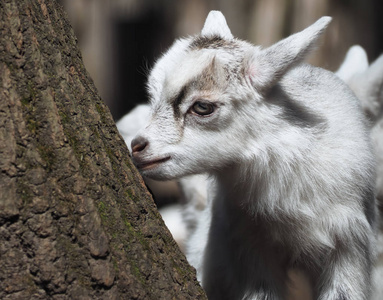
(290, 156)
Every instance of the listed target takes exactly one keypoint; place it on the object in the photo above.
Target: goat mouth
(142, 166)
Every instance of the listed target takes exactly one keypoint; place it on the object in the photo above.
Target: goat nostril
(139, 144)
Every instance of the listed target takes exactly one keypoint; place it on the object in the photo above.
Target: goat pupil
(202, 108)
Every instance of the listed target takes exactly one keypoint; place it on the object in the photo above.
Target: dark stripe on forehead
(293, 111)
(177, 100)
(205, 81)
(211, 42)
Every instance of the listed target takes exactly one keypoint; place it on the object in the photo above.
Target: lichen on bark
(76, 221)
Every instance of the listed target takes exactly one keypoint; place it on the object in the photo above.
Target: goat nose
(139, 144)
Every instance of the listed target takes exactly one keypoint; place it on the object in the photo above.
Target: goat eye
(203, 108)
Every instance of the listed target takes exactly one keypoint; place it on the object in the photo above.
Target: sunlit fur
(288, 155)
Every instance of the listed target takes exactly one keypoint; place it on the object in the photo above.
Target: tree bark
(76, 221)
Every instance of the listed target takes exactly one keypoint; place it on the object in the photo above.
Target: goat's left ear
(265, 67)
(215, 25)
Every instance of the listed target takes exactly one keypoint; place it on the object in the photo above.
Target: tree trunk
(76, 221)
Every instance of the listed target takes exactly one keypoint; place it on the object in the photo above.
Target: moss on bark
(76, 220)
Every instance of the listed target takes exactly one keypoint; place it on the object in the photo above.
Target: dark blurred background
(120, 39)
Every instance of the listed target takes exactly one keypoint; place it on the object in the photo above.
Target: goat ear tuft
(215, 24)
(265, 67)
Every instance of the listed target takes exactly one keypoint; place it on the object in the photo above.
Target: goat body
(288, 153)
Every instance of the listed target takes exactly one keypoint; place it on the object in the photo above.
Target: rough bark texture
(76, 221)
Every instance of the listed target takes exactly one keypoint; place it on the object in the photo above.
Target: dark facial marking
(294, 112)
(370, 209)
(211, 42)
(177, 100)
(203, 82)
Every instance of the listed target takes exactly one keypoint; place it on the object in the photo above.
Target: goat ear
(215, 24)
(265, 67)
(355, 62)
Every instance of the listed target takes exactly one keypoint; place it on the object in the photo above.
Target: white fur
(377, 292)
(181, 220)
(367, 83)
(172, 216)
(133, 122)
(292, 184)
(216, 23)
(355, 62)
